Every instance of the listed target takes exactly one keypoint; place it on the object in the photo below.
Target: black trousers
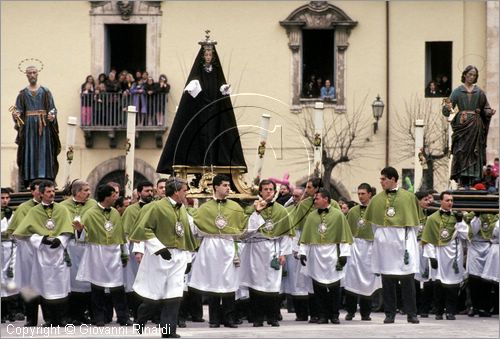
(191, 306)
(313, 305)
(31, 310)
(389, 285)
(99, 305)
(424, 296)
(79, 303)
(351, 303)
(328, 297)
(221, 308)
(133, 302)
(169, 312)
(264, 304)
(480, 292)
(446, 296)
(57, 312)
(301, 305)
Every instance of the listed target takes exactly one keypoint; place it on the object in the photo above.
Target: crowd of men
(163, 257)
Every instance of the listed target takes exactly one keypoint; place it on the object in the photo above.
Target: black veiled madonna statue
(204, 131)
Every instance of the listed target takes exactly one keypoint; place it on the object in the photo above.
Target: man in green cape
(423, 296)
(48, 228)
(265, 245)
(77, 205)
(359, 279)
(478, 247)
(165, 230)
(218, 222)
(325, 244)
(298, 217)
(24, 256)
(129, 218)
(394, 216)
(105, 255)
(442, 238)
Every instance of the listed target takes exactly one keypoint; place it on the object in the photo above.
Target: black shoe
(231, 325)
(100, 324)
(335, 321)
(274, 323)
(170, 335)
(322, 321)
(238, 321)
(349, 316)
(313, 320)
(125, 322)
(301, 319)
(450, 316)
(20, 316)
(438, 317)
(258, 324)
(46, 324)
(471, 312)
(198, 320)
(214, 325)
(412, 319)
(366, 318)
(484, 314)
(389, 319)
(181, 323)
(424, 315)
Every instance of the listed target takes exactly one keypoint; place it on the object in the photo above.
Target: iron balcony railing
(109, 110)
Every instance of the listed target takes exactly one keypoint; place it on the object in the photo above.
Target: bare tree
(345, 137)
(434, 154)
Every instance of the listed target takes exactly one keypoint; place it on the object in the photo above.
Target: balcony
(107, 113)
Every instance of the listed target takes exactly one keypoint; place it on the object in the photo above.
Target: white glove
(193, 88)
(225, 89)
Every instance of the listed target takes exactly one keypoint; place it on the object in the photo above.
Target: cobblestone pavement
(463, 327)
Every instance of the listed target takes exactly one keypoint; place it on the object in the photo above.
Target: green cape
(19, 214)
(290, 210)
(76, 209)
(279, 216)
(362, 230)
(337, 230)
(204, 218)
(488, 221)
(94, 220)
(34, 222)
(130, 216)
(404, 203)
(159, 221)
(439, 229)
(302, 209)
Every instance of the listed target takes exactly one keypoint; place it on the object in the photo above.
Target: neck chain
(322, 227)
(390, 211)
(49, 224)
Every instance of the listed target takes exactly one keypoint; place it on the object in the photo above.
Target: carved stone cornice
(317, 15)
(125, 9)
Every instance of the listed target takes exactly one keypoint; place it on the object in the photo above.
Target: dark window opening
(438, 58)
(317, 61)
(126, 48)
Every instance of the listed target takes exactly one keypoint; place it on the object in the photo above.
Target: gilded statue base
(200, 186)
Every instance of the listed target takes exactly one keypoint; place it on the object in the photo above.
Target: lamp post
(378, 110)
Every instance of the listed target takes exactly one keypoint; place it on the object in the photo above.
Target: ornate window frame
(125, 12)
(317, 15)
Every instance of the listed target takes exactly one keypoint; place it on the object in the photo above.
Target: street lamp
(378, 110)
